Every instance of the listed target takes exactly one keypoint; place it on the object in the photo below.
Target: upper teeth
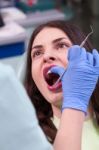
(49, 71)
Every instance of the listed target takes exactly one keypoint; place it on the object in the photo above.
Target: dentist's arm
(19, 129)
(78, 84)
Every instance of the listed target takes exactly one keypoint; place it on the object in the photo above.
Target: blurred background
(18, 18)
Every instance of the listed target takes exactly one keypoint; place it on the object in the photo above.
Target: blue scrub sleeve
(19, 129)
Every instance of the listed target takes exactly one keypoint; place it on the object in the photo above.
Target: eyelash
(34, 54)
(61, 44)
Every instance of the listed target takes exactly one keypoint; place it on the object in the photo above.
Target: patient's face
(50, 48)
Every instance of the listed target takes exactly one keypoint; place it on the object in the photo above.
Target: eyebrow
(54, 41)
(37, 46)
(59, 39)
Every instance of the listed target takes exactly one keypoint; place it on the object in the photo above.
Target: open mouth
(51, 78)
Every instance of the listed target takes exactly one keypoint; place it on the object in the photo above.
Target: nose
(49, 57)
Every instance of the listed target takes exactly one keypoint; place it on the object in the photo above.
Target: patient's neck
(56, 111)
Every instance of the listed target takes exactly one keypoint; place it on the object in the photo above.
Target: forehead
(49, 34)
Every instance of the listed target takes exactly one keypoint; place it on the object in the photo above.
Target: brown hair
(43, 108)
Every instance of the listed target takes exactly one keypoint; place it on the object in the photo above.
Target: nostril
(49, 59)
(52, 58)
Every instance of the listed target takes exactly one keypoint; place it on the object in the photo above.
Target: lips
(51, 79)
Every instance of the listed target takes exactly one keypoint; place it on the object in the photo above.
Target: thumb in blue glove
(80, 78)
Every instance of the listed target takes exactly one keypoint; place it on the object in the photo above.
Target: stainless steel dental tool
(84, 41)
(81, 45)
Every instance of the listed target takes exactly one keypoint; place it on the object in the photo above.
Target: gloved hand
(80, 78)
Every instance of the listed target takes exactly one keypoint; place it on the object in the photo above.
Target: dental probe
(81, 45)
(84, 41)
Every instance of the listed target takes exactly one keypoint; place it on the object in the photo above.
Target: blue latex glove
(80, 78)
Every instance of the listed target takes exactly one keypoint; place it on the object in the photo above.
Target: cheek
(34, 72)
(64, 60)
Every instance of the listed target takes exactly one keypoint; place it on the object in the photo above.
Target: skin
(49, 48)
(70, 130)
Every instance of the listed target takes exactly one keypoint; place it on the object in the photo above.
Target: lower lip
(55, 87)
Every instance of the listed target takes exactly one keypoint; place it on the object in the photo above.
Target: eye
(37, 53)
(62, 45)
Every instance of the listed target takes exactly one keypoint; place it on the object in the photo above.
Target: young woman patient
(50, 52)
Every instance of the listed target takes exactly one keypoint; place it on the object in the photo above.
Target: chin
(56, 99)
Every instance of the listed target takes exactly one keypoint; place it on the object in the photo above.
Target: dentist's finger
(58, 70)
(96, 57)
(83, 55)
(74, 52)
(90, 58)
